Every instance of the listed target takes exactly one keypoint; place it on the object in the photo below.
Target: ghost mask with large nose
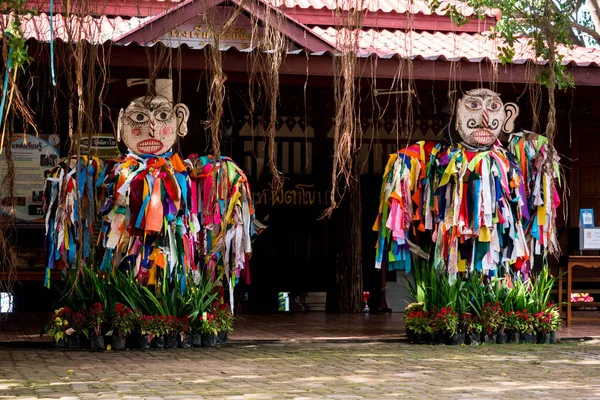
(151, 125)
(481, 117)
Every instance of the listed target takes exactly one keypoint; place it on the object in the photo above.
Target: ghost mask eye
(495, 105)
(163, 115)
(138, 117)
(473, 104)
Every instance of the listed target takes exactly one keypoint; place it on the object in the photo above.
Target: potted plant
(60, 328)
(472, 328)
(543, 326)
(555, 321)
(95, 319)
(527, 335)
(171, 331)
(513, 321)
(491, 317)
(410, 308)
(224, 321)
(446, 322)
(156, 331)
(145, 326)
(209, 330)
(420, 323)
(195, 330)
(123, 323)
(183, 330)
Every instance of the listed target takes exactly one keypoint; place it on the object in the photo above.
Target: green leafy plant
(223, 317)
(470, 323)
(445, 321)
(208, 324)
(123, 321)
(418, 321)
(60, 324)
(492, 318)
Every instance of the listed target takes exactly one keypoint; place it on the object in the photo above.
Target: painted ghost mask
(151, 125)
(481, 117)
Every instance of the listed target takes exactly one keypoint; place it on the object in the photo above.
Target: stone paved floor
(306, 371)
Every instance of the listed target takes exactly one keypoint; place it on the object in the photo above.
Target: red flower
(98, 306)
(119, 308)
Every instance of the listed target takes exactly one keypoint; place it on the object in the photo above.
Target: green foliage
(546, 23)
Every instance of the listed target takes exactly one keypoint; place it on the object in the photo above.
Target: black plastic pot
(527, 338)
(170, 341)
(473, 339)
(185, 341)
(143, 342)
(455, 340)
(490, 338)
(97, 343)
(209, 340)
(553, 337)
(501, 338)
(196, 340)
(73, 342)
(422, 338)
(410, 334)
(512, 337)
(61, 344)
(158, 342)
(543, 338)
(437, 338)
(119, 342)
(222, 337)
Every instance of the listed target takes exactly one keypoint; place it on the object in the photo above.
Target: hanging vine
(349, 18)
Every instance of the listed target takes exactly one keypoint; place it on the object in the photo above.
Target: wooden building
(401, 43)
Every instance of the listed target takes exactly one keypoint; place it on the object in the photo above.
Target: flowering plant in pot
(513, 321)
(95, 317)
(446, 322)
(527, 328)
(491, 318)
(224, 321)
(555, 321)
(145, 325)
(59, 327)
(157, 330)
(123, 324)
(171, 329)
(472, 327)
(410, 308)
(420, 323)
(543, 325)
(209, 330)
(183, 331)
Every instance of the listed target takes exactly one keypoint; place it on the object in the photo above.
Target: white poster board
(32, 156)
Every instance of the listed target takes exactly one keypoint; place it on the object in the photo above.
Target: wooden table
(576, 261)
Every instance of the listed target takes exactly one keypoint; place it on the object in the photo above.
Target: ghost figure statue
(162, 219)
(487, 208)
(151, 125)
(481, 117)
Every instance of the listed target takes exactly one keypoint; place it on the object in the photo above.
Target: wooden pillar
(347, 225)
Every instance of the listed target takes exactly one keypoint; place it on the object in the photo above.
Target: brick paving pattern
(306, 371)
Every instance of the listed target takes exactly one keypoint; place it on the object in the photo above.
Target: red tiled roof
(385, 44)
(73, 28)
(388, 6)
(448, 46)
(147, 7)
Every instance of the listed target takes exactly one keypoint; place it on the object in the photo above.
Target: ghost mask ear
(512, 111)
(182, 113)
(119, 125)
